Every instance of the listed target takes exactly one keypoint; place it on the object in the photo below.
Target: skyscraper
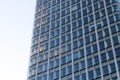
(76, 40)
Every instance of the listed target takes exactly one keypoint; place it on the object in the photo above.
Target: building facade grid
(76, 40)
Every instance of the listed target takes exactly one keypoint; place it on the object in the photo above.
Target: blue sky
(16, 23)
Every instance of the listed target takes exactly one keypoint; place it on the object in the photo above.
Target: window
(79, 22)
(75, 55)
(88, 50)
(45, 67)
(104, 22)
(69, 58)
(106, 32)
(51, 76)
(80, 32)
(97, 72)
(100, 34)
(91, 18)
(51, 64)
(85, 20)
(73, 1)
(56, 62)
(74, 25)
(82, 64)
(45, 46)
(69, 69)
(75, 44)
(96, 6)
(63, 72)
(76, 67)
(83, 76)
(68, 47)
(103, 57)
(89, 9)
(101, 4)
(89, 62)
(86, 29)
(38, 78)
(118, 27)
(74, 16)
(105, 70)
(92, 27)
(93, 37)
(68, 27)
(117, 16)
(63, 60)
(109, 10)
(101, 45)
(80, 42)
(63, 39)
(56, 74)
(98, 24)
(107, 2)
(87, 39)
(52, 43)
(57, 42)
(63, 21)
(94, 47)
(78, 13)
(44, 77)
(77, 77)
(97, 15)
(84, 12)
(111, 19)
(82, 53)
(84, 4)
(115, 40)
(40, 68)
(110, 54)
(117, 51)
(90, 74)
(112, 67)
(118, 62)
(96, 59)
(103, 12)
(75, 34)
(108, 42)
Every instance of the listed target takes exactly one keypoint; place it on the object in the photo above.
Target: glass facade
(76, 40)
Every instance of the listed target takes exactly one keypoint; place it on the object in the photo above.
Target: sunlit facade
(76, 40)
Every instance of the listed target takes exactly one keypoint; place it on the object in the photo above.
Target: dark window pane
(112, 67)
(103, 57)
(117, 51)
(96, 59)
(75, 55)
(76, 66)
(89, 62)
(97, 72)
(90, 75)
(105, 70)
(110, 54)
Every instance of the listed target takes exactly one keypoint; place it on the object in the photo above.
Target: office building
(76, 40)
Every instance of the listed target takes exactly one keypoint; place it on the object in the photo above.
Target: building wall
(76, 40)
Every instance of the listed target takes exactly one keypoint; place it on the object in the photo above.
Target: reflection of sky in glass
(16, 22)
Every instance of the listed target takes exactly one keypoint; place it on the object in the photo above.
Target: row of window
(75, 7)
(76, 33)
(75, 25)
(88, 38)
(78, 43)
(76, 55)
(92, 74)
